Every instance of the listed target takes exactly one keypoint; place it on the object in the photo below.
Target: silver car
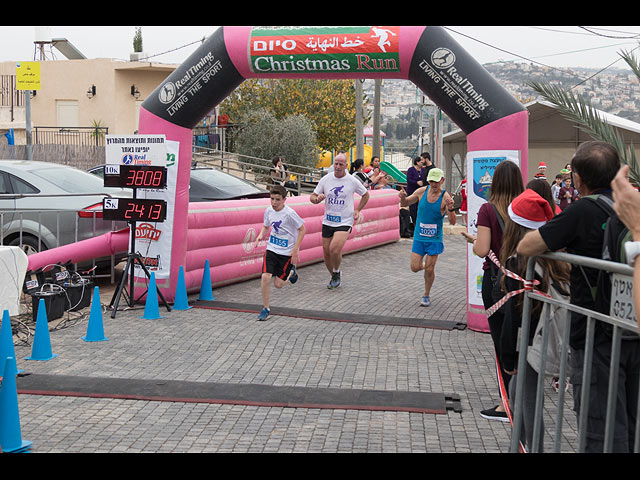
(44, 205)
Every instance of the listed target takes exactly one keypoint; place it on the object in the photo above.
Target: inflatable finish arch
(427, 56)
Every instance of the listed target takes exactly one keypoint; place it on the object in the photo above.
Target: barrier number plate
(622, 298)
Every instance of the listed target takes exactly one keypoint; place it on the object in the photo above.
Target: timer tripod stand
(133, 257)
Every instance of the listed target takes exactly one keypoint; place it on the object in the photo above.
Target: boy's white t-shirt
(338, 204)
(284, 229)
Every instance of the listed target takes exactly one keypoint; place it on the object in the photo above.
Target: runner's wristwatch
(632, 250)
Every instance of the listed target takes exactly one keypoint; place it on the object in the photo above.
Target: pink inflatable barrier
(100, 246)
(224, 233)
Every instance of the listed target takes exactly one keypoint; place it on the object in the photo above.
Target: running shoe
(335, 280)
(425, 302)
(264, 314)
(493, 414)
(293, 278)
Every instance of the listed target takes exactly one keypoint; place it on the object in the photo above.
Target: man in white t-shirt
(336, 190)
(281, 256)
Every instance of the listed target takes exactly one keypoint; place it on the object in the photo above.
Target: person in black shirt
(428, 165)
(580, 230)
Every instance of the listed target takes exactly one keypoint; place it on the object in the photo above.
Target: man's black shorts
(277, 265)
(327, 231)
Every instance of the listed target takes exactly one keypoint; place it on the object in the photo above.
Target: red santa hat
(542, 165)
(530, 210)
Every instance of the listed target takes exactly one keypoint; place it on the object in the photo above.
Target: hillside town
(615, 90)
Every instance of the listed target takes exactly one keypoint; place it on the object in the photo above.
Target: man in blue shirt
(433, 204)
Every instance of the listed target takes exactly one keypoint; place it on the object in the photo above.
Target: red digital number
(131, 177)
(144, 178)
(135, 210)
(155, 211)
(157, 178)
(129, 211)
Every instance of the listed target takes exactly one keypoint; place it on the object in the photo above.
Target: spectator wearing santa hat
(542, 172)
(529, 211)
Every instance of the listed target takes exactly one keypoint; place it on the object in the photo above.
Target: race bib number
(278, 242)
(622, 306)
(428, 229)
(334, 218)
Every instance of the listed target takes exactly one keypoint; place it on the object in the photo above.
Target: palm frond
(577, 109)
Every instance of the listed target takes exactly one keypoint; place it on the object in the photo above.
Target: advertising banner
(480, 168)
(154, 240)
(457, 83)
(296, 50)
(136, 150)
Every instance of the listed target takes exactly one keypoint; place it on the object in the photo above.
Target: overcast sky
(562, 46)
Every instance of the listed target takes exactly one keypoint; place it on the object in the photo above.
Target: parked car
(61, 205)
(209, 184)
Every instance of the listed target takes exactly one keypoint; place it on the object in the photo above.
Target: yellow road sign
(28, 76)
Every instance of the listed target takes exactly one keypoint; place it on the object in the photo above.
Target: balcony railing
(81, 136)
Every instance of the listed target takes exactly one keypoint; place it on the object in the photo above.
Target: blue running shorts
(427, 248)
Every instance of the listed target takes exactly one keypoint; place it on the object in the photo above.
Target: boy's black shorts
(277, 265)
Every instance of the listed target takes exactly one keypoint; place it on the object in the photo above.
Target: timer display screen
(135, 176)
(134, 209)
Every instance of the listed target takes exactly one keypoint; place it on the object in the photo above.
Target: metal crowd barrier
(63, 234)
(618, 326)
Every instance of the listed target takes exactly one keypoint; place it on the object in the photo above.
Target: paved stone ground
(219, 346)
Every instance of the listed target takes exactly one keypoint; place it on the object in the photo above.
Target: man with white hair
(336, 189)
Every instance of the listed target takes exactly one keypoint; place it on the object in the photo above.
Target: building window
(67, 113)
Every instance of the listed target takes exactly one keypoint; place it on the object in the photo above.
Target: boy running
(281, 256)
(433, 203)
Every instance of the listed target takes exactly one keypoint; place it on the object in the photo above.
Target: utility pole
(359, 120)
(376, 119)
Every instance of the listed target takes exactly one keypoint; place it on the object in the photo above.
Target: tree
(328, 104)
(262, 135)
(580, 110)
(137, 40)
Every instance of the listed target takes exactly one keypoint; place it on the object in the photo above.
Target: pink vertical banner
(508, 135)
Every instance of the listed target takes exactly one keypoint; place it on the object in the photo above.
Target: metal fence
(30, 229)
(80, 136)
(257, 170)
(559, 419)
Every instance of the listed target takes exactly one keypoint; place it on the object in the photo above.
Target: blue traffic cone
(10, 434)
(206, 291)
(41, 349)
(181, 302)
(95, 330)
(151, 309)
(6, 340)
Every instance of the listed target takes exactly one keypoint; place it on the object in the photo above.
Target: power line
(582, 80)
(175, 49)
(602, 70)
(587, 29)
(514, 54)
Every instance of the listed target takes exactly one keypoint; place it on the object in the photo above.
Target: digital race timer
(134, 209)
(135, 176)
